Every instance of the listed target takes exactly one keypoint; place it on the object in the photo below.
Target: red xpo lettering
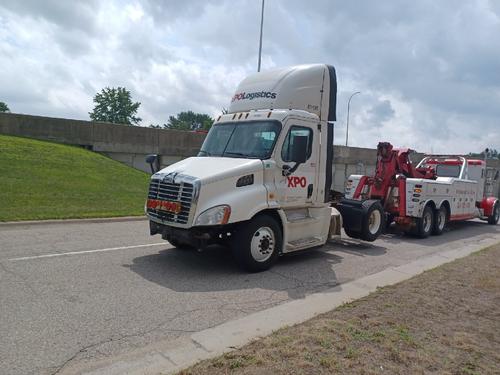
(294, 181)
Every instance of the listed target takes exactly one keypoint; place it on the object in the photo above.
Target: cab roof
(311, 88)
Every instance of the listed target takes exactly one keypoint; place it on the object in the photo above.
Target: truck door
(297, 188)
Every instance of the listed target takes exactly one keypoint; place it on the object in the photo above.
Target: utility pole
(347, 133)
(260, 40)
(348, 109)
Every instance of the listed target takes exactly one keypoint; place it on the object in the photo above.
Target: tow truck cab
(262, 179)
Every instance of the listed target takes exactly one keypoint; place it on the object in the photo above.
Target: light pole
(348, 109)
(260, 40)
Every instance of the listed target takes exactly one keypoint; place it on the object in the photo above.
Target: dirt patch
(445, 321)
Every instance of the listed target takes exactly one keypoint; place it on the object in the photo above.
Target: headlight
(214, 216)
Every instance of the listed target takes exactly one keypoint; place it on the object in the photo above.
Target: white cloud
(429, 72)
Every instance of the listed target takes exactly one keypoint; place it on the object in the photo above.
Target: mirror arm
(154, 162)
(288, 171)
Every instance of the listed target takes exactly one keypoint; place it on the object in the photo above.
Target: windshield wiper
(237, 154)
(205, 153)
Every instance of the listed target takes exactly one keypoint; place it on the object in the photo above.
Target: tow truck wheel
(351, 233)
(373, 221)
(425, 223)
(495, 215)
(440, 219)
(257, 244)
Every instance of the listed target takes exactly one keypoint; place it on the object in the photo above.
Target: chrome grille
(173, 192)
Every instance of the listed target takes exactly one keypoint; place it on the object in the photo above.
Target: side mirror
(154, 161)
(299, 149)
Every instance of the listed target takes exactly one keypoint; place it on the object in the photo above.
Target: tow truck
(262, 181)
(422, 199)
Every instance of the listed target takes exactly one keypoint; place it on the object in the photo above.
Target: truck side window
(292, 133)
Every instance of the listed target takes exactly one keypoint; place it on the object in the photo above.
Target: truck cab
(262, 179)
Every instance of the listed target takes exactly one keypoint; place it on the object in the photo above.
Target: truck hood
(210, 169)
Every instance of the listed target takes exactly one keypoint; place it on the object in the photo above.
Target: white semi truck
(261, 183)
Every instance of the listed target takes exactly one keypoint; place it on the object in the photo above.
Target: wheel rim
(262, 245)
(427, 221)
(374, 221)
(441, 219)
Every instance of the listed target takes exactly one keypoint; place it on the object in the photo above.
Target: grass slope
(44, 180)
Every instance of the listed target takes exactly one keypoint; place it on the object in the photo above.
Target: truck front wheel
(373, 221)
(352, 233)
(256, 245)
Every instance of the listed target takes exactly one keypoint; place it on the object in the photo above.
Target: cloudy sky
(429, 71)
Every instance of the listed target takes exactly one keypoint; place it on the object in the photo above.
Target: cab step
(303, 243)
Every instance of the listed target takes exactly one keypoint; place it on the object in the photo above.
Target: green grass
(45, 180)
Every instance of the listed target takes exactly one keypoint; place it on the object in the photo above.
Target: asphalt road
(72, 293)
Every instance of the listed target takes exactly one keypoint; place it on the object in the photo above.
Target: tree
(492, 154)
(115, 105)
(189, 121)
(4, 107)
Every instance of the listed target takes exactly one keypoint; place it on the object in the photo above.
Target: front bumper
(198, 237)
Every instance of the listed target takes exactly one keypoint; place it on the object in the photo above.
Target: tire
(389, 219)
(440, 220)
(257, 244)
(352, 233)
(495, 215)
(179, 245)
(373, 223)
(425, 224)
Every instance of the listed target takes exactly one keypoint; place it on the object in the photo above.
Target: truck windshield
(254, 140)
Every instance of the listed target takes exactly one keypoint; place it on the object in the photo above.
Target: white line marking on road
(87, 251)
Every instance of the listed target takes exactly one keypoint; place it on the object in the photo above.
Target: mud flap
(352, 213)
(356, 216)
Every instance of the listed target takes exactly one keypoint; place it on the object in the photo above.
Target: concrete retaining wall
(130, 144)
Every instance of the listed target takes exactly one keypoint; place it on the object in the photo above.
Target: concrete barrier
(131, 144)
(127, 144)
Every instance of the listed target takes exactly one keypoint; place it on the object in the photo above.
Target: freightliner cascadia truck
(262, 181)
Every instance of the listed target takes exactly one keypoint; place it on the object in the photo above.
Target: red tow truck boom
(393, 165)
(424, 198)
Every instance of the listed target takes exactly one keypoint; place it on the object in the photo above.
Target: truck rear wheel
(495, 214)
(256, 245)
(425, 224)
(440, 219)
(373, 221)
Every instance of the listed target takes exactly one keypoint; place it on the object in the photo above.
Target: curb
(171, 356)
(72, 221)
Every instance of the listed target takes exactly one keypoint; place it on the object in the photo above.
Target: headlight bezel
(217, 215)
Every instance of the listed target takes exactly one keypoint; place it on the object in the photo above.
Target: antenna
(260, 40)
